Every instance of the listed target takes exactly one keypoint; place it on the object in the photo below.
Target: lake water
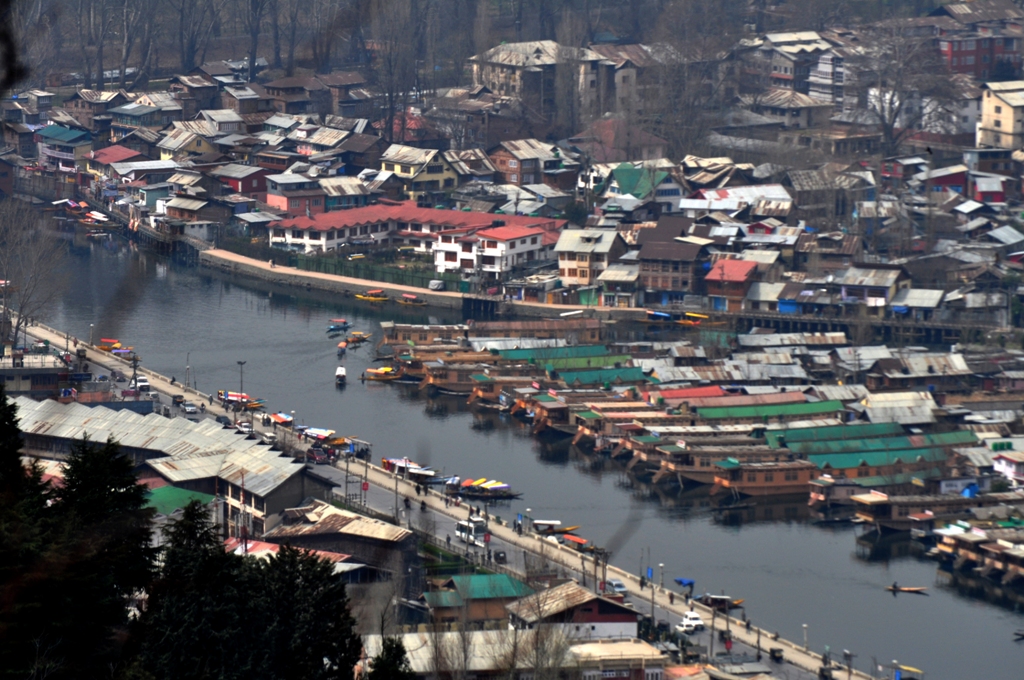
(790, 571)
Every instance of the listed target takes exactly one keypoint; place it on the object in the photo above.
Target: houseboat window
(769, 476)
(705, 462)
(751, 476)
(791, 475)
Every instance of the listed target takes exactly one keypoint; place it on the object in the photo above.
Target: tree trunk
(275, 17)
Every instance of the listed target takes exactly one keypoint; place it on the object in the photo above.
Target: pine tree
(309, 628)
(391, 663)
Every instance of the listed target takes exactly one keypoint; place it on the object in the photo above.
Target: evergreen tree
(310, 632)
(391, 663)
(201, 621)
(101, 556)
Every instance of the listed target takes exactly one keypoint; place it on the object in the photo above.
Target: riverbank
(656, 595)
(239, 265)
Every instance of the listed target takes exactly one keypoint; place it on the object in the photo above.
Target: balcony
(47, 150)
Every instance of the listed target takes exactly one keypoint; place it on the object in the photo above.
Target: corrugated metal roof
(545, 603)
(322, 518)
(399, 153)
(587, 240)
(899, 443)
(772, 410)
(782, 339)
(186, 203)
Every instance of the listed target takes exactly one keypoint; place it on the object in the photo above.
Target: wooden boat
(720, 602)
(342, 348)
(376, 295)
(548, 527)
(383, 374)
(411, 300)
(357, 337)
(340, 375)
(483, 489)
(338, 327)
(917, 590)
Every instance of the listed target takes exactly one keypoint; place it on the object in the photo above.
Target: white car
(189, 407)
(691, 623)
(244, 428)
(616, 586)
(141, 383)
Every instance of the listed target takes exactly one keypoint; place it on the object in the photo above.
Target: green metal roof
(647, 439)
(588, 415)
(771, 410)
(728, 464)
(544, 398)
(443, 598)
(902, 478)
(167, 499)
(481, 377)
(569, 363)
(547, 353)
(489, 586)
(957, 437)
(776, 437)
(671, 448)
(600, 376)
(59, 133)
(846, 461)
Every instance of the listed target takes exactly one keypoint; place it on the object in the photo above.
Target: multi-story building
(728, 282)
(62, 148)
(296, 194)
(424, 171)
(129, 117)
(583, 254)
(87, 105)
(527, 70)
(1002, 115)
(491, 253)
(784, 60)
(530, 161)
(982, 55)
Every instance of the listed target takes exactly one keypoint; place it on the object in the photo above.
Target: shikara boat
(411, 300)
(383, 374)
(376, 295)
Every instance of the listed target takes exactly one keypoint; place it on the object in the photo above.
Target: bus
(471, 531)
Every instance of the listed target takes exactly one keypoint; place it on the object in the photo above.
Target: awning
(281, 418)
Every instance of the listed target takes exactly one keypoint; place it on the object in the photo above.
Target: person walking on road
(448, 540)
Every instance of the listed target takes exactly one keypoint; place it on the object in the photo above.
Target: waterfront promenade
(239, 265)
(386, 487)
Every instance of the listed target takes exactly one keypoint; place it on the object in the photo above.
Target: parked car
(178, 399)
(225, 421)
(244, 427)
(616, 586)
(141, 384)
(317, 456)
(268, 438)
(189, 407)
(691, 623)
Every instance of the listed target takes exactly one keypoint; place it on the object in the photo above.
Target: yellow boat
(377, 295)
(383, 374)
(357, 337)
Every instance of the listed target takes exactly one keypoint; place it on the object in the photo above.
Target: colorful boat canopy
(319, 433)
(375, 291)
(281, 418)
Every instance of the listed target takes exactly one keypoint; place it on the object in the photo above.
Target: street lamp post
(805, 637)
(661, 566)
(241, 378)
(90, 334)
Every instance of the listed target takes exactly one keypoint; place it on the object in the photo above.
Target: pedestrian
(748, 625)
(202, 407)
(448, 540)
(172, 379)
(211, 400)
(671, 598)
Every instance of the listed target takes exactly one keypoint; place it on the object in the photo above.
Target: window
(435, 169)
(513, 177)
(451, 257)
(971, 45)
(999, 109)
(406, 169)
(573, 273)
(330, 236)
(969, 61)
(593, 84)
(490, 244)
(467, 247)
(296, 233)
(769, 476)
(984, 59)
(533, 241)
(999, 123)
(314, 236)
(513, 164)
(751, 476)
(316, 201)
(528, 179)
(791, 475)
(448, 183)
(279, 233)
(293, 203)
(511, 245)
(389, 167)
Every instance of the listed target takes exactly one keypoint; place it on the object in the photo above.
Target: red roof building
(728, 282)
(98, 162)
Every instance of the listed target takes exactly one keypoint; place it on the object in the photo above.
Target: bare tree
(196, 20)
(252, 17)
(907, 82)
(569, 79)
(135, 23)
(31, 35)
(395, 63)
(31, 265)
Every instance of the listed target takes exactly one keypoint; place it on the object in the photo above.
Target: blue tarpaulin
(685, 582)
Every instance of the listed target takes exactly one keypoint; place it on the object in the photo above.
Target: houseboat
(763, 478)
(904, 513)
(687, 465)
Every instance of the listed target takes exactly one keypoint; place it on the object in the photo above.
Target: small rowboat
(376, 295)
(339, 376)
(342, 348)
(338, 327)
(411, 300)
(917, 590)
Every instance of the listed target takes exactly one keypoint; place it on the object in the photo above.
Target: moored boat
(411, 300)
(720, 602)
(376, 295)
(338, 327)
(340, 375)
(342, 348)
(382, 374)
(357, 337)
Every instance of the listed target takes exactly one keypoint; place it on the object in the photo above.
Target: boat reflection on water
(975, 587)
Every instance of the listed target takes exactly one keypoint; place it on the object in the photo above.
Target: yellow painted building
(422, 171)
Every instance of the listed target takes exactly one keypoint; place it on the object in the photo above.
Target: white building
(1010, 464)
(492, 253)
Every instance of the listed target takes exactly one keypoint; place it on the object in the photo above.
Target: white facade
(1010, 464)
(492, 253)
